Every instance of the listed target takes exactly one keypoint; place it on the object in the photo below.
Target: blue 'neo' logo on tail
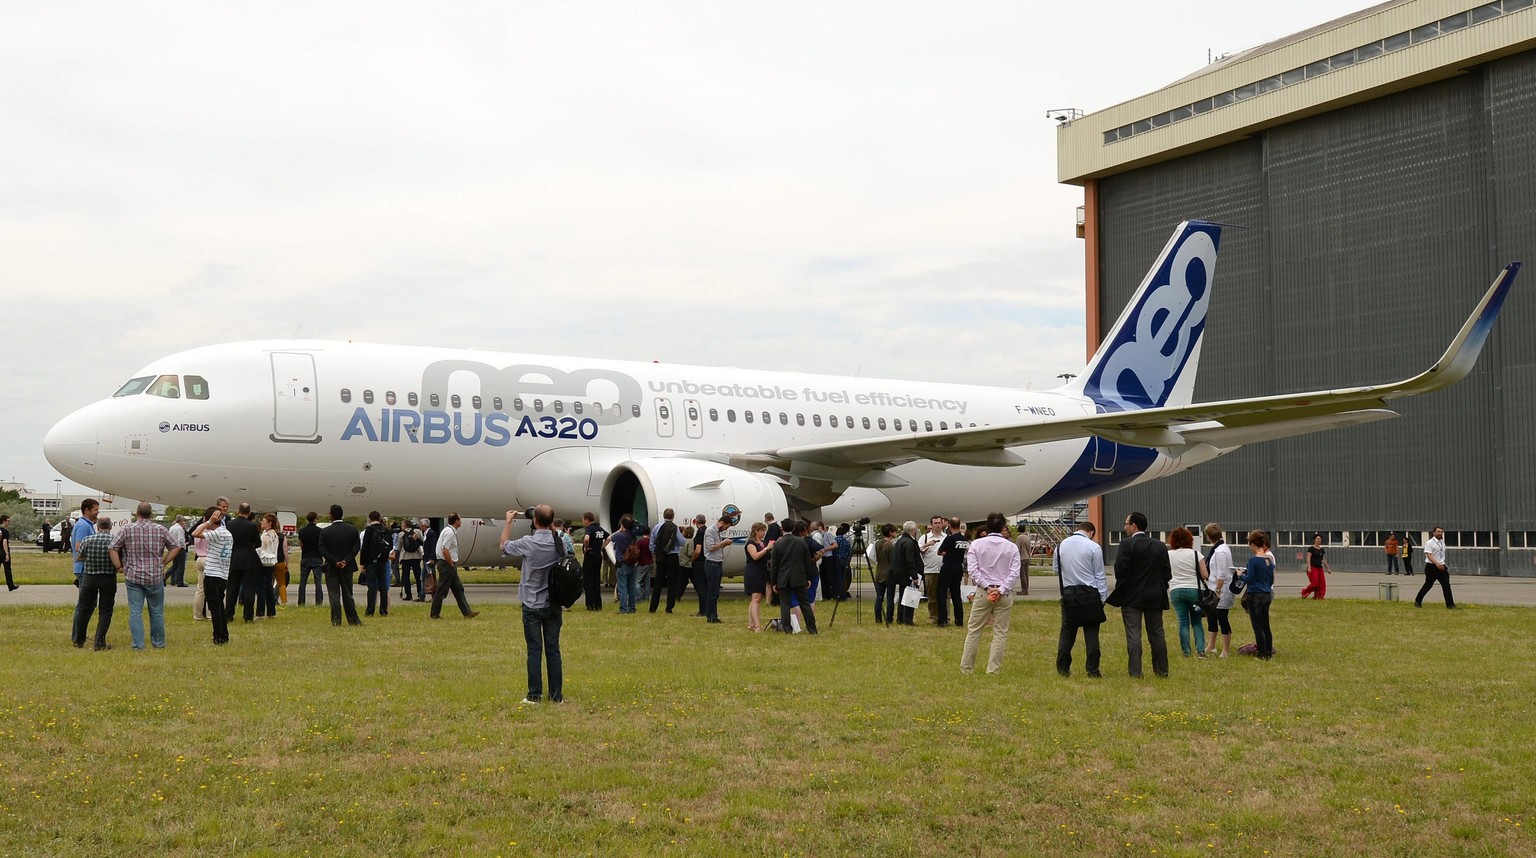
(1150, 345)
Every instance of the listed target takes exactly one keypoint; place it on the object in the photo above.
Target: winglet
(1462, 354)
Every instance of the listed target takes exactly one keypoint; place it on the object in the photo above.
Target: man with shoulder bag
(542, 618)
(1079, 562)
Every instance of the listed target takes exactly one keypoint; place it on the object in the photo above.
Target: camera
(528, 513)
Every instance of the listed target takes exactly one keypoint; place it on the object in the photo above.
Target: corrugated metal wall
(1375, 229)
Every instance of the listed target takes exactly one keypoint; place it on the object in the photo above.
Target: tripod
(856, 564)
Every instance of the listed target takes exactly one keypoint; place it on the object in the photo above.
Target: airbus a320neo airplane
(298, 425)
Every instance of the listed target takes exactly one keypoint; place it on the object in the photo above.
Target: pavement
(1468, 590)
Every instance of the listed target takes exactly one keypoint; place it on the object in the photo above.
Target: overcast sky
(865, 187)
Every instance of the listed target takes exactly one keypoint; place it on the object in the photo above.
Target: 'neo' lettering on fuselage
(493, 429)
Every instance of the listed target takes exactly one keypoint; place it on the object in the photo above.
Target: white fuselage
(408, 430)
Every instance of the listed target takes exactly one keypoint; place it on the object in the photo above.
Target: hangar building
(1384, 165)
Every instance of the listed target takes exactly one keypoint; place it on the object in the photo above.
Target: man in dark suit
(793, 572)
(1142, 574)
(244, 564)
(338, 546)
(906, 572)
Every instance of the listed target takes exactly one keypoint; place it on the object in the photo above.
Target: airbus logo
(167, 426)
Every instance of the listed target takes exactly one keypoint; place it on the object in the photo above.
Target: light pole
(58, 496)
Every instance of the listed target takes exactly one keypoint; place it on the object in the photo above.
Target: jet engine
(645, 487)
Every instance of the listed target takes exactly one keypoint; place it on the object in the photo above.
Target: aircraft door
(695, 417)
(1105, 452)
(296, 402)
(664, 418)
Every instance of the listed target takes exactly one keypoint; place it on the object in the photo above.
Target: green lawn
(1378, 730)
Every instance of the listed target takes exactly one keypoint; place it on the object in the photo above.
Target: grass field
(1378, 730)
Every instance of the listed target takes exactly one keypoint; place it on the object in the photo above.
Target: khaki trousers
(981, 609)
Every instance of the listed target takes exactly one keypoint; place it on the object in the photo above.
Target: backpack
(410, 542)
(631, 554)
(564, 577)
(666, 538)
(685, 555)
(375, 544)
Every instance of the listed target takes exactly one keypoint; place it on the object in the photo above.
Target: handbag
(429, 583)
(968, 593)
(911, 597)
(1208, 599)
(267, 558)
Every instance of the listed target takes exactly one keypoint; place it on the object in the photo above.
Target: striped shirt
(142, 545)
(220, 545)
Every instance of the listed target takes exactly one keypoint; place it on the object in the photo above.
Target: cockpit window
(166, 386)
(197, 387)
(134, 386)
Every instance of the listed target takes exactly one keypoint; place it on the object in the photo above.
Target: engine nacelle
(645, 487)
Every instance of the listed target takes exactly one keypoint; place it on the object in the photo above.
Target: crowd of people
(242, 564)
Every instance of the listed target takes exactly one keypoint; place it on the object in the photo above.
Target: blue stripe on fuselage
(1081, 480)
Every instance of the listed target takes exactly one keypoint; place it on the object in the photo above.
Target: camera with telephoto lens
(528, 513)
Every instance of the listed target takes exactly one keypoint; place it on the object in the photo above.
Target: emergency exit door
(296, 403)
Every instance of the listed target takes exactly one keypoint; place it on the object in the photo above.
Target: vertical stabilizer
(1150, 355)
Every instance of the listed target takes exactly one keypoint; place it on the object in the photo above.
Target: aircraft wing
(1231, 422)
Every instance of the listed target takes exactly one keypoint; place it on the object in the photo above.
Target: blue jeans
(154, 594)
(628, 587)
(1184, 599)
(541, 629)
(714, 570)
(378, 585)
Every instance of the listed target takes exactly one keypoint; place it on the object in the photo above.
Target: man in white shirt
(1435, 569)
(176, 574)
(928, 546)
(448, 571)
(1079, 565)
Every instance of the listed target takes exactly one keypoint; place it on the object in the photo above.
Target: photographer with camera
(542, 618)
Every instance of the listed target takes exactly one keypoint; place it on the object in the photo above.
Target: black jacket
(339, 543)
(906, 561)
(792, 562)
(1142, 574)
(245, 535)
(309, 543)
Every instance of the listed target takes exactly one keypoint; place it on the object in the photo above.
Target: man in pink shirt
(993, 564)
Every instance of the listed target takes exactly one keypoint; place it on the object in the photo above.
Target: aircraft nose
(70, 446)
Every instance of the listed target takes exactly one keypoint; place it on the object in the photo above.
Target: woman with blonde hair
(755, 579)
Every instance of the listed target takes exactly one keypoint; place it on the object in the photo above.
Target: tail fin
(1150, 356)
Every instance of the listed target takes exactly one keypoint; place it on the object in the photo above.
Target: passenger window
(197, 387)
(411, 398)
(714, 416)
(832, 421)
(434, 400)
(538, 405)
(664, 412)
(618, 410)
(576, 406)
(896, 423)
(927, 425)
(767, 418)
(882, 423)
(634, 410)
(784, 419)
(368, 397)
(747, 415)
(559, 406)
(597, 408)
(496, 403)
(866, 423)
(730, 414)
(475, 402)
(346, 395)
(849, 418)
(165, 386)
(133, 386)
(800, 419)
(517, 404)
(455, 401)
(816, 419)
(693, 413)
(389, 397)
(943, 425)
